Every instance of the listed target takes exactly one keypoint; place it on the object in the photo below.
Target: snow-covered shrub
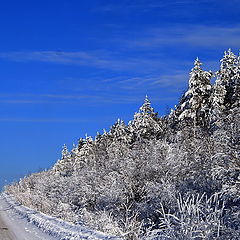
(195, 217)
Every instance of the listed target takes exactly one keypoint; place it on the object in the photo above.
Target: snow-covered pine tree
(226, 76)
(81, 142)
(147, 108)
(104, 140)
(146, 124)
(65, 152)
(225, 94)
(121, 140)
(236, 85)
(119, 132)
(85, 153)
(195, 103)
(217, 101)
(64, 165)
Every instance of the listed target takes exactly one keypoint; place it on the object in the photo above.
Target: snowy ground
(25, 224)
(18, 227)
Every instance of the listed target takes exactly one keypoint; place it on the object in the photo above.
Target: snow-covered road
(4, 231)
(15, 227)
(22, 223)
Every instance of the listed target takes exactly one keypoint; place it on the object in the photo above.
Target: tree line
(170, 177)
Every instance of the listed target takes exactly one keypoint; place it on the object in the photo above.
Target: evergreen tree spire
(119, 132)
(236, 85)
(146, 107)
(228, 61)
(80, 143)
(195, 103)
(225, 85)
(227, 68)
(65, 152)
(197, 65)
(64, 165)
(145, 123)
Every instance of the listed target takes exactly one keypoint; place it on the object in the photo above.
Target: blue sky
(71, 67)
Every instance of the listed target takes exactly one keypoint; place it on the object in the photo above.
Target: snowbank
(54, 226)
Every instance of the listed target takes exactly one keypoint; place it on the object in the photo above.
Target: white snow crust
(28, 224)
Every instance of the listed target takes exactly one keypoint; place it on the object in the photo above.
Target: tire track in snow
(5, 234)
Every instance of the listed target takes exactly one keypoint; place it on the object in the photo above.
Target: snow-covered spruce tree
(226, 88)
(225, 141)
(146, 124)
(80, 144)
(64, 165)
(84, 153)
(225, 115)
(195, 104)
(121, 138)
(227, 74)
(236, 85)
(119, 132)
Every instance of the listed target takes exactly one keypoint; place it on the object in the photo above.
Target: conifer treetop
(227, 67)
(229, 58)
(197, 64)
(65, 151)
(146, 107)
(196, 98)
(199, 77)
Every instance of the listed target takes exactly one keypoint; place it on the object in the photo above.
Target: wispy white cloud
(144, 58)
(110, 98)
(81, 57)
(149, 81)
(99, 59)
(138, 54)
(28, 101)
(43, 120)
(143, 6)
(191, 35)
(21, 99)
(171, 80)
(96, 99)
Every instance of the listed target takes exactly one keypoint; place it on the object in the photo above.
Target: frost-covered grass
(196, 217)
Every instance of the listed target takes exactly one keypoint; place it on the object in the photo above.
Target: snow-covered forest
(171, 177)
